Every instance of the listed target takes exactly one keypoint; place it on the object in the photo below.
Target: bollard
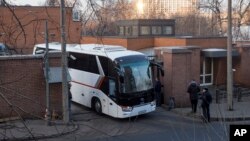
(47, 117)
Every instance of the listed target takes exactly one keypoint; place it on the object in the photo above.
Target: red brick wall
(195, 64)
(149, 42)
(33, 21)
(201, 42)
(140, 43)
(168, 77)
(22, 83)
(104, 40)
(216, 42)
(220, 71)
(242, 72)
(129, 43)
(241, 64)
(168, 41)
(177, 70)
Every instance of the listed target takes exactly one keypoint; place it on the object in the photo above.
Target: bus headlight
(127, 108)
(153, 103)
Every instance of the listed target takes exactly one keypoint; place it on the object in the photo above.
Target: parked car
(4, 49)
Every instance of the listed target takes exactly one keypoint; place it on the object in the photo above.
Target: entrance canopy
(217, 52)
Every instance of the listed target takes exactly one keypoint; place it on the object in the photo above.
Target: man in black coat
(206, 101)
(193, 91)
(157, 89)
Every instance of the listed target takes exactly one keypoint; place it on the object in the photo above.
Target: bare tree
(241, 17)
(192, 24)
(99, 19)
(218, 16)
(52, 3)
(68, 3)
(13, 28)
(16, 28)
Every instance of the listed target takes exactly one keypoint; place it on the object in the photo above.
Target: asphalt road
(160, 125)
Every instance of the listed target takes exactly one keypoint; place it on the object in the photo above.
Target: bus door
(112, 98)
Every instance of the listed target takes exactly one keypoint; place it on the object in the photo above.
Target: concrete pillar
(195, 63)
(181, 64)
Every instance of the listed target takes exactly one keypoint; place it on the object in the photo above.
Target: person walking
(69, 98)
(157, 90)
(206, 101)
(193, 91)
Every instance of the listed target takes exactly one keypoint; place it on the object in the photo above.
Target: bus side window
(104, 63)
(83, 62)
(72, 61)
(107, 66)
(92, 65)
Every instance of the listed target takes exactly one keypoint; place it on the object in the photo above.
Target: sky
(38, 2)
(30, 2)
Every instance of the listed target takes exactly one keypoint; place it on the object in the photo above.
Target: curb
(226, 119)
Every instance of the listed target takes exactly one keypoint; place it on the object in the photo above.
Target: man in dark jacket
(157, 89)
(69, 100)
(193, 91)
(206, 101)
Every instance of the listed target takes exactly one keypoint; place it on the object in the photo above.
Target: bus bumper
(137, 110)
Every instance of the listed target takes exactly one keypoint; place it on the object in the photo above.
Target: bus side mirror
(159, 66)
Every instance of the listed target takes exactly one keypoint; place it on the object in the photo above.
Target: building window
(135, 31)
(121, 30)
(76, 16)
(128, 30)
(145, 30)
(167, 30)
(206, 77)
(156, 30)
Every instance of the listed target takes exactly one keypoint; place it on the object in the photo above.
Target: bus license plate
(142, 112)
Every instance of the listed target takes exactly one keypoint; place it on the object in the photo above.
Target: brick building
(186, 58)
(24, 26)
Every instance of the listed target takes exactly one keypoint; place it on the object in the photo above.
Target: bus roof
(110, 51)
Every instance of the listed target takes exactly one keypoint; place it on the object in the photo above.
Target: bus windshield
(136, 74)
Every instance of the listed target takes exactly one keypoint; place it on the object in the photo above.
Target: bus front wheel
(98, 106)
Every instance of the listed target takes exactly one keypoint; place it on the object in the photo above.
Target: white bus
(110, 79)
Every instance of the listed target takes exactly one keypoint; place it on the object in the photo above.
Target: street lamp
(229, 58)
(65, 97)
